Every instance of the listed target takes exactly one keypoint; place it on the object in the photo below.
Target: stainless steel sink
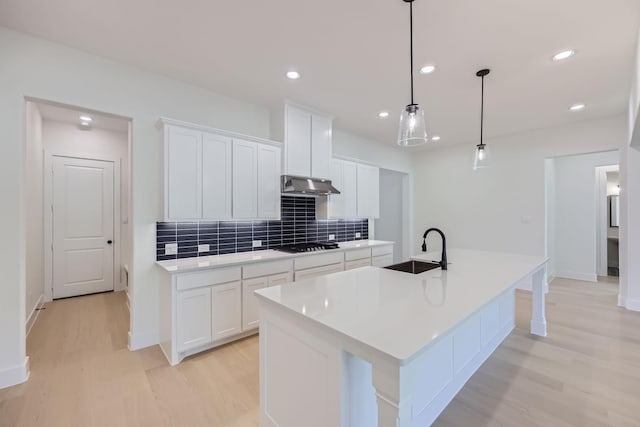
(414, 267)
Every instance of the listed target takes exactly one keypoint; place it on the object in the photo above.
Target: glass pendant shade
(483, 157)
(412, 130)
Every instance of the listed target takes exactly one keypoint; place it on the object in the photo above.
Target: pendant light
(483, 155)
(412, 129)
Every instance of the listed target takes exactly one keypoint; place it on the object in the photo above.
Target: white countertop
(399, 313)
(217, 261)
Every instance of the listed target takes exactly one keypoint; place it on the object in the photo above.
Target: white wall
(66, 138)
(550, 212)
(576, 226)
(501, 208)
(40, 69)
(634, 102)
(390, 224)
(33, 183)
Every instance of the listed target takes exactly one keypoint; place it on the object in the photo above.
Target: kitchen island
(376, 347)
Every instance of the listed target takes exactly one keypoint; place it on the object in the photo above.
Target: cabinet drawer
(206, 278)
(382, 261)
(350, 265)
(382, 250)
(318, 260)
(280, 279)
(266, 268)
(319, 271)
(357, 254)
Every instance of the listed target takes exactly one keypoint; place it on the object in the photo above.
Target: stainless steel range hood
(303, 186)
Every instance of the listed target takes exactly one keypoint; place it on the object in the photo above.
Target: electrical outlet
(203, 248)
(332, 237)
(257, 243)
(358, 235)
(171, 249)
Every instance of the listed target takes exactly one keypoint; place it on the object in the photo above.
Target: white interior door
(82, 226)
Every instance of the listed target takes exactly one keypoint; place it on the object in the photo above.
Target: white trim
(48, 225)
(164, 121)
(632, 304)
(143, 340)
(15, 374)
(586, 277)
(33, 316)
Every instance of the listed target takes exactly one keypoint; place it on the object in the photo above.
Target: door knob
(109, 242)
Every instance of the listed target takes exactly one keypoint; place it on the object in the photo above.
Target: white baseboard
(15, 374)
(31, 320)
(143, 340)
(585, 277)
(632, 304)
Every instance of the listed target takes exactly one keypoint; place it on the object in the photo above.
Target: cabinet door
(194, 318)
(349, 189)
(297, 141)
(226, 310)
(368, 189)
(245, 181)
(382, 261)
(336, 202)
(216, 177)
(183, 169)
(280, 279)
(268, 192)
(320, 147)
(250, 313)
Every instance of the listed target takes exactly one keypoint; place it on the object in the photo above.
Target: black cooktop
(308, 247)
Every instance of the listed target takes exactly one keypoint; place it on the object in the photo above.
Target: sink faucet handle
(424, 244)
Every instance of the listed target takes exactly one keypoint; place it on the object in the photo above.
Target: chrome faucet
(443, 259)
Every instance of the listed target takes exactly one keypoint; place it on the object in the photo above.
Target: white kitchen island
(376, 347)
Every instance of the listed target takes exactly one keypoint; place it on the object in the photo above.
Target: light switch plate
(203, 248)
(358, 235)
(332, 237)
(257, 243)
(171, 249)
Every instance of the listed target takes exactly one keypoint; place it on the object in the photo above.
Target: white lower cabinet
(226, 311)
(382, 261)
(194, 313)
(319, 271)
(352, 265)
(250, 314)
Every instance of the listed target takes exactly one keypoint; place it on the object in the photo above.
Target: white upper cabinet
(269, 181)
(216, 176)
(321, 147)
(345, 177)
(368, 188)
(349, 189)
(183, 171)
(307, 142)
(245, 179)
(297, 141)
(212, 174)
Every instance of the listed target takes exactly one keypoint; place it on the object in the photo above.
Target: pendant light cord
(411, 45)
(482, 112)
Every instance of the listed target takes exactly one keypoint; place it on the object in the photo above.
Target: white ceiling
(72, 115)
(353, 55)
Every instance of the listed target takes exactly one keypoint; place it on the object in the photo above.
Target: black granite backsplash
(298, 225)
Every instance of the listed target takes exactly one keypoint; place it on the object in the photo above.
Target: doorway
(576, 214)
(608, 201)
(77, 199)
(394, 212)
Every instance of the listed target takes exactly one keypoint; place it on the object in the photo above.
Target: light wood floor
(585, 373)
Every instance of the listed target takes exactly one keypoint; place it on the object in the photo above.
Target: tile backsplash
(298, 224)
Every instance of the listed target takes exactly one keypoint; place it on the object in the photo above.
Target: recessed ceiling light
(435, 138)
(565, 54)
(293, 75)
(86, 119)
(383, 114)
(577, 107)
(427, 69)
